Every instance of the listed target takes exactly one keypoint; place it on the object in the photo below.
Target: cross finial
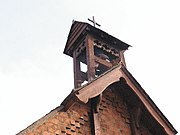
(94, 22)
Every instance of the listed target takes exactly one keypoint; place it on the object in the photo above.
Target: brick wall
(114, 119)
(113, 115)
(75, 121)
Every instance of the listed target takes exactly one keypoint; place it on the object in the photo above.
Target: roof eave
(150, 101)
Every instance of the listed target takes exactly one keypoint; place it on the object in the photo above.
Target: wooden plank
(97, 127)
(74, 37)
(90, 58)
(103, 62)
(91, 75)
(74, 29)
(77, 70)
(121, 54)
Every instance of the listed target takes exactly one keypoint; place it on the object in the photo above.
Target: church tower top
(95, 49)
(79, 30)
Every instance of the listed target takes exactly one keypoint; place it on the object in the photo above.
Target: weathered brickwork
(75, 121)
(113, 115)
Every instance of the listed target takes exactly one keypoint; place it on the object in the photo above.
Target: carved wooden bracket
(98, 85)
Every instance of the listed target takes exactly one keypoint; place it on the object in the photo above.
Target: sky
(35, 75)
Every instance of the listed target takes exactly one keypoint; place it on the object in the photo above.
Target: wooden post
(91, 75)
(90, 58)
(77, 71)
(121, 54)
(97, 129)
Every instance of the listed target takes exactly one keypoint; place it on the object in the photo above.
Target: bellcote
(95, 48)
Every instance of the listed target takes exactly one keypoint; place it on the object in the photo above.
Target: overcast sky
(35, 75)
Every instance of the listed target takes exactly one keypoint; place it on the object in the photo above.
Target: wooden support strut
(95, 103)
(103, 62)
(90, 58)
(77, 70)
(121, 54)
(97, 128)
(91, 75)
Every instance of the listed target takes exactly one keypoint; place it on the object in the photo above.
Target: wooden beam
(75, 36)
(91, 75)
(121, 54)
(103, 62)
(97, 128)
(90, 58)
(77, 70)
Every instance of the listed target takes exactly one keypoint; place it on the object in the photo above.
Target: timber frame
(85, 43)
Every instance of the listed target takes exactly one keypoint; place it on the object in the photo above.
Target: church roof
(80, 29)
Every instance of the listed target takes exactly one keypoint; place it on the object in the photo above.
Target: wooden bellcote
(95, 48)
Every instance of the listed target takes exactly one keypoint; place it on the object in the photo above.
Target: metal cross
(94, 22)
